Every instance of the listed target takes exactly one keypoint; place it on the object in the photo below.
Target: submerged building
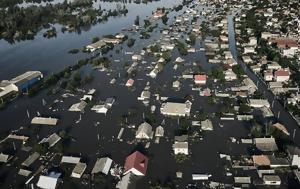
(176, 109)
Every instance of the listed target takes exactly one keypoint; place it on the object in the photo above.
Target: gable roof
(138, 161)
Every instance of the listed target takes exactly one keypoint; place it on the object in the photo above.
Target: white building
(78, 170)
(259, 103)
(207, 125)
(176, 109)
(144, 131)
(48, 182)
(252, 41)
(78, 107)
(273, 180)
(248, 50)
(153, 73)
(159, 131)
(230, 75)
(268, 75)
(181, 148)
(273, 66)
(102, 165)
(282, 75)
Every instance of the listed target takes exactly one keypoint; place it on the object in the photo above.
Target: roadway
(279, 111)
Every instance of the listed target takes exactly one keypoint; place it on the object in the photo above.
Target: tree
(137, 20)
(192, 38)
(130, 42)
(95, 39)
(238, 70)
(256, 130)
(165, 19)
(99, 179)
(180, 158)
(181, 48)
(244, 108)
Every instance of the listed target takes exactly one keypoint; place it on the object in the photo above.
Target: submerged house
(102, 165)
(181, 148)
(144, 131)
(21, 83)
(176, 109)
(78, 170)
(78, 107)
(26, 80)
(136, 163)
(265, 144)
(48, 181)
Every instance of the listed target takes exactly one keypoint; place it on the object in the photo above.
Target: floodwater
(50, 55)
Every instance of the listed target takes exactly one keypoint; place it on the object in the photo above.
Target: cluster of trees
(130, 42)
(192, 38)
(11, 3)
(217, 73)
(181, 48)
(23, 23)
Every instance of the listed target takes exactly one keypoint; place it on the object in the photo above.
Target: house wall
(181, 151)
(296, 160)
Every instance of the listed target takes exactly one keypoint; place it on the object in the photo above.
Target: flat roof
(174, 108)
(44, 121)
(79, 168)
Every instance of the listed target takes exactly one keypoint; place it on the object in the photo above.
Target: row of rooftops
(16, 84)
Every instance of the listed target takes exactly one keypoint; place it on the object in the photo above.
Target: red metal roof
(138, 161)
(282, 73)
(200, 77)
(285, 42)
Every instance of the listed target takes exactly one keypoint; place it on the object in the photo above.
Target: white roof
(102, 165)
(47, 182)
(145, 128)
(44, 121)
(174, 108)
(70, 159)
(78, 106)
(3, 157)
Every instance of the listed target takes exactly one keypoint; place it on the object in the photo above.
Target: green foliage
(145, 35)
(181, 48)
(256, 130)
(73, 51)
(99, 179)
(147, 23)
(167, 56)
(238, 70)
(211, 100)
(137, 20)
(178, 8)
(180, 158)
(244, 108)
(150, 118)
(155, 48)
(130, 42)
(41, 148)
(192, 38)
(217, 73)
(95, 39)
(184, 125)
(165, 19)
